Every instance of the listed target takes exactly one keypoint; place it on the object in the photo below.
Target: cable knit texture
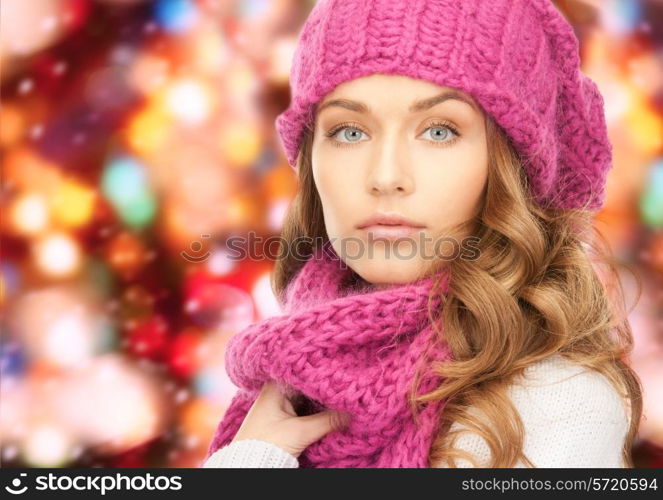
(251, 454)
(573, 417)
(355, 349)
(519, 59)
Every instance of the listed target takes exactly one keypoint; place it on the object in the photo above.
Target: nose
(390, 173)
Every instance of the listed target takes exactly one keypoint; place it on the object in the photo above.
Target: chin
(385, 271)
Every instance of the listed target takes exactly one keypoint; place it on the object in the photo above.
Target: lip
(389, 219)
(389, 226)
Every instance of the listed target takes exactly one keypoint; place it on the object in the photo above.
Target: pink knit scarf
(353, 349)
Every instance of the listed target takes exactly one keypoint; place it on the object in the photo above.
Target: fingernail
(344, 419)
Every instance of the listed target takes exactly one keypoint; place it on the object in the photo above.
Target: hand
(272, 418)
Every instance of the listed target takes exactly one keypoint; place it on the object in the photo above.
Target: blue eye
(351, 134)
(448, 131)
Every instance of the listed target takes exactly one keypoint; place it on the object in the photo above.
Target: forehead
(418, 95)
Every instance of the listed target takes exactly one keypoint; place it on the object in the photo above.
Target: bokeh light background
(138, 137)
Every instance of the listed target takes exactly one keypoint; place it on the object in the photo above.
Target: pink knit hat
(519, 59)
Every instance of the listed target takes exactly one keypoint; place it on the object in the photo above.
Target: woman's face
(390, 144)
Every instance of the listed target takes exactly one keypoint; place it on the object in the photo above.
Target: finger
(314, 427)
(288, 407)
(273, 396)
(340, 420)
(269, 395)
(290, 400)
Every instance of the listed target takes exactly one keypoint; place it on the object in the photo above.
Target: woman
(448, 304)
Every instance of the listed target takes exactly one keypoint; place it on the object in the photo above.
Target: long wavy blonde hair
(535, 289)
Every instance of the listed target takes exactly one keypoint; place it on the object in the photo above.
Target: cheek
(336, 187)
(326, 183)
(454, 186)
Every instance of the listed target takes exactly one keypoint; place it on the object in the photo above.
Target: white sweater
(573, 417)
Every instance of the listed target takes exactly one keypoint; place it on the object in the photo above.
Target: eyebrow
(416, 107)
